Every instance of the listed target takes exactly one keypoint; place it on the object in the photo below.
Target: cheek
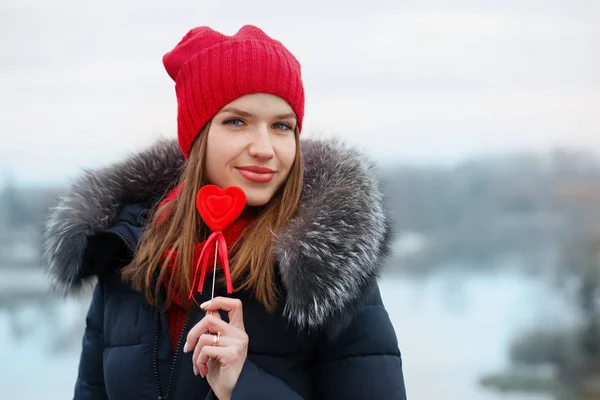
(214, 160)
(287, 153)
(210, 167)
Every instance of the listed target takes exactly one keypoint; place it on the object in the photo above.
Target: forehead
(259, 104)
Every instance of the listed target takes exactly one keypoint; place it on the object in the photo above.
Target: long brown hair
(176, 227)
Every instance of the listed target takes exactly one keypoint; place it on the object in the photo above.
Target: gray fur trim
(332, 249)
(328, 255)
(93, 200)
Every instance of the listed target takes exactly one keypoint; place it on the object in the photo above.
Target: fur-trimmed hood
(328, 255)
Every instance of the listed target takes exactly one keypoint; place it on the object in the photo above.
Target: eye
(281, 126)
(235, 122)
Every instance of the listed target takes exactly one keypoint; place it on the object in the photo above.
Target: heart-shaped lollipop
(218, 208)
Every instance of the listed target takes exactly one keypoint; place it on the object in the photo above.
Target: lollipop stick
(215, 269)
(214, 272)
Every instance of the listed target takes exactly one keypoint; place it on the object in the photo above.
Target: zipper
(165, 395)
(174, 363)
(124, 239)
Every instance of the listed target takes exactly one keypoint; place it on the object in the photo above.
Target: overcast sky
(83, 84)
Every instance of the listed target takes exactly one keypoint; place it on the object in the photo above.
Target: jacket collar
(328, 256)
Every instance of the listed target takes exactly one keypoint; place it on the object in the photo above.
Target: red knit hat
(211, 70)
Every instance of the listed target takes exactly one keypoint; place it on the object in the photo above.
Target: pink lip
(257, 174)
(257, 169)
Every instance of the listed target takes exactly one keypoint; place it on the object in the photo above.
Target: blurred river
(452, 329)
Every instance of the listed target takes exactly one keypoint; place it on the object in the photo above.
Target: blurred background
(483, 115)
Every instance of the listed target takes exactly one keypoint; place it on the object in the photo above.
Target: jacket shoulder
(370, 319)
(114, 247)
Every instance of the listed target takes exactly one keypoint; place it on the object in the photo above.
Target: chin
(257, 199)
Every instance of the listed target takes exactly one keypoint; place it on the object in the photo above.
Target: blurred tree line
(23, 212)
(543, 210)
(519, 206)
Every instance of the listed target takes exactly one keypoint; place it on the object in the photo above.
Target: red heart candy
(220, 207)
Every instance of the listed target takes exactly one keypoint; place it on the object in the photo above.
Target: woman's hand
(220, 348)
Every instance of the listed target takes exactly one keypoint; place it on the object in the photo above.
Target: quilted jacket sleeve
(90, 379)
(256, 384)
(363, 361)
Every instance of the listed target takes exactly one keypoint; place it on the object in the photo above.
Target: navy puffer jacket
(331, 337)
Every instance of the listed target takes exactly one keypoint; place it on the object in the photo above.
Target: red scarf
(177, 312)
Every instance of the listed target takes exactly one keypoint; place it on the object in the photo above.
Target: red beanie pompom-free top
(211, 70)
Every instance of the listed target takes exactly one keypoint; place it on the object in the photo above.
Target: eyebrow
(243, 113)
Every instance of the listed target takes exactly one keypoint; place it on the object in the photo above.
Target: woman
(306, 318)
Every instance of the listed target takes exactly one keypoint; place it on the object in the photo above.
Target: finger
(203, 340)
(195, 333)
(210, 324)
(215, 314)
(209, 340)
(233, 307)
(223, 355)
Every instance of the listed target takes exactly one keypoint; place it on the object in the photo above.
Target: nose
(261, 146)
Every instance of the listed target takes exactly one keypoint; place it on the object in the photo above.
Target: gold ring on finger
(216, 339)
